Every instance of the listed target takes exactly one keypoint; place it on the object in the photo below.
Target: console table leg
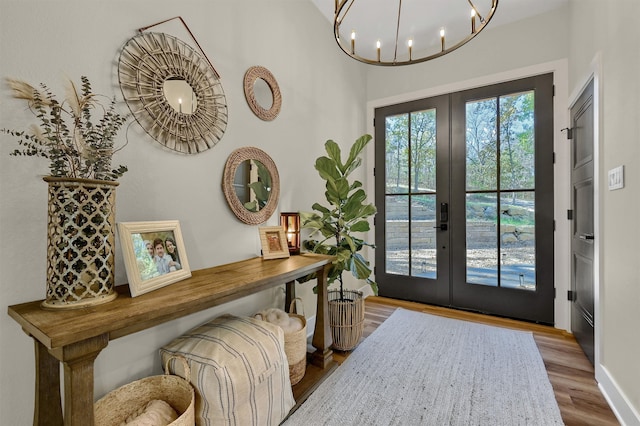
(78, 361)
(47, 409)
(290, 295)
(322, 339)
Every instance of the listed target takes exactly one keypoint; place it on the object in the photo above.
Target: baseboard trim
(620, 405)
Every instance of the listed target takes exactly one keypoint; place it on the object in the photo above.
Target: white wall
(605, 44)
(43, 41)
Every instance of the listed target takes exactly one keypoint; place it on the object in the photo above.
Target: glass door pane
(500, 186)
(410, 193)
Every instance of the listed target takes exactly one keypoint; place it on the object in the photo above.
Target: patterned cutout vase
(80, 243)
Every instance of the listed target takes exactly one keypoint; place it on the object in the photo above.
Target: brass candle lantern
(290, 221)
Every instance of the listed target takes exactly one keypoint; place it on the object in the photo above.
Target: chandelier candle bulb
(378, 47)
(473, 21)
(353, 42)
(410, 44)
(442, 38)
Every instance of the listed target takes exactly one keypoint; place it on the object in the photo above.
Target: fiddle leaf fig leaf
(356, 149)
(327, 169)
(333, 150)
(360, 267)
(361, 226)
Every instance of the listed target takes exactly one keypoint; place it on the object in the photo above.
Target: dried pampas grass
(23, 90)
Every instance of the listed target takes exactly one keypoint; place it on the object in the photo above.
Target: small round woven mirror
(262, 92)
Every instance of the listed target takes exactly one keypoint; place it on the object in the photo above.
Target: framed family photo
(273, 242)
(154, 254)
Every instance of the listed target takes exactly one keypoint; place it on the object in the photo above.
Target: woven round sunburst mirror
(173, 92)
(262, 93)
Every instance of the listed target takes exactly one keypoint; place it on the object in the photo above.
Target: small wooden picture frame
(154, 254)
(274, 242)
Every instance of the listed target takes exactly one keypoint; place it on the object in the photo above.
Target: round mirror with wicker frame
(265, 180)
(265, 112)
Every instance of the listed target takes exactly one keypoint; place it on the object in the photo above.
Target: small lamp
(290, 221)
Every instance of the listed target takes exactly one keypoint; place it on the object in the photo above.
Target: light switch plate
(616, 178)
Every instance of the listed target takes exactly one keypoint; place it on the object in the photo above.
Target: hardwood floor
(572, 376)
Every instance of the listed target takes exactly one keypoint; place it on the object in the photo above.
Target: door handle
(442, 227)
(586, 237)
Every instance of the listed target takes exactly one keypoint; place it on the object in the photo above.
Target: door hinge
(374, 122)
(554, 225)
(571, 296)
(554, 158)
(569, 214)
(553, 90)
(569, 132)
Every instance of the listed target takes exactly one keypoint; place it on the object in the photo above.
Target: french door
(464, 191)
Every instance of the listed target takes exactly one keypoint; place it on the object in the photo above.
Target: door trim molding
(562, 243)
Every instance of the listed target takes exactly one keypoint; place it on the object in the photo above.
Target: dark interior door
(582, 241)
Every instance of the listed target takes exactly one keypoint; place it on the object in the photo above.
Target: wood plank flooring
(572, 376)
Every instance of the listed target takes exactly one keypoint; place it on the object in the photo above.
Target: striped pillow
(239, 371)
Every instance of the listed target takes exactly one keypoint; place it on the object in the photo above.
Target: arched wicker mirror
(251, 185)
(262, 92)
(173, 92)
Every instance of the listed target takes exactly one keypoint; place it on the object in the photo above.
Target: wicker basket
(346, 318)
(115, 407)
(295, 346)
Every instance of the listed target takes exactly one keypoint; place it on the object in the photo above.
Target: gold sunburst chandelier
(389, 33)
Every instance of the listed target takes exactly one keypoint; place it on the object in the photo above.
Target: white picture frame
(149, 269)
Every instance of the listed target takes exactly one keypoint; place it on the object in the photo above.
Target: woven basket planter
(80, 242)
(295, 346)
(118, 405)
(346, 318)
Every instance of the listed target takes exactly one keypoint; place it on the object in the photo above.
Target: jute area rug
(420, 369)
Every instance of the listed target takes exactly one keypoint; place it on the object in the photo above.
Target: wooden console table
(76, 337)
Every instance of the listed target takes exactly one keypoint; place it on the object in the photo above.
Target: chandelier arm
(473, 6)
(395, 52)
(346, 11)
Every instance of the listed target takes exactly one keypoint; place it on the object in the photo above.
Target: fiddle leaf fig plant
(334, 227)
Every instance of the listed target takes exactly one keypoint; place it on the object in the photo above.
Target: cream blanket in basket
(155, 413)
(280, 318)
